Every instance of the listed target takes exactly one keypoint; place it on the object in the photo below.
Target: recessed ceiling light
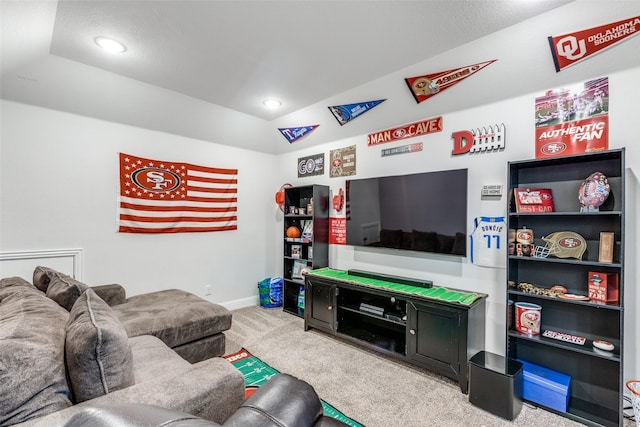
(110, 44)
(272, 103)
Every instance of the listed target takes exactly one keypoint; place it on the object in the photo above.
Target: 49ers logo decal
(156, 179)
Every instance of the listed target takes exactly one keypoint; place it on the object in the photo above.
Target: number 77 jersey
(488, 241)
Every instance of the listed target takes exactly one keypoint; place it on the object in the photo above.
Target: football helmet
(562, 244)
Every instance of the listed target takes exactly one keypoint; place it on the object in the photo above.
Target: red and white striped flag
(170, 197)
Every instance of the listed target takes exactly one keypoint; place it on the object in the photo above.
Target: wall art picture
(343, 162)
(573, 119)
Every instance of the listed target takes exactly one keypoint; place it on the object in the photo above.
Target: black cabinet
(320, 312)
(573, 325)
(436, 335)
(306, 240)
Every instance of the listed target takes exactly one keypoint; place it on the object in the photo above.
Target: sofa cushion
(175, 316)
(99, 359)
(42, 277)
(32, 374)
(65, 290)
(152, 358)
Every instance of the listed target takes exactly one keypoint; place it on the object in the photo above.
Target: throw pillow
(65, 290)
(98, 355)
(33, 382)
(42, 277)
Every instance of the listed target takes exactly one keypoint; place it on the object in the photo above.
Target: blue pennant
(294, 134)
(346, 113)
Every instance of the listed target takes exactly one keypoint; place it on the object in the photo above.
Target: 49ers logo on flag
(570, 48)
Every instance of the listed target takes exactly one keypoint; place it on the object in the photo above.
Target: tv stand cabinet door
(320, 305)
(436, 339)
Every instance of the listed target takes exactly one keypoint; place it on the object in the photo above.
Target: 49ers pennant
(424, 87)
(570, 48)
(346, 113)
(294, 134)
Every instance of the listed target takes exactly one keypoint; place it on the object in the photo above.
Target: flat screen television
(422, 212)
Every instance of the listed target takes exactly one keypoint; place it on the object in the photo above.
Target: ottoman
(190, 325)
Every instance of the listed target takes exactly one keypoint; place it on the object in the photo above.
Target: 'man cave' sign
(406, 131)
(480, 140)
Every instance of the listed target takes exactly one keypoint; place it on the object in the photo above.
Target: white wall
(59, 186)
(487, 168)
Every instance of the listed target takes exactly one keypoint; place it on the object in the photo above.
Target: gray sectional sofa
(64, 348)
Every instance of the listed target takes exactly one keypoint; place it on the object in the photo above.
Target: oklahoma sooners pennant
(570, 48)
(424, 87)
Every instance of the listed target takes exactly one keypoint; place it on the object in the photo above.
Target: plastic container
(528, 318)
(495, 384)
(545, 386)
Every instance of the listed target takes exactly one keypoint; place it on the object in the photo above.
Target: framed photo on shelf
(296, 251)
(298, 267)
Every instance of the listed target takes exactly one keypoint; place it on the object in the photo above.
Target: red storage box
(603, 287)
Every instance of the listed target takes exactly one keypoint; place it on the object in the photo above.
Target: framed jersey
(488, 241)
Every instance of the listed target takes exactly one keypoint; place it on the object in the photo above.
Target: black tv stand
(396, 317)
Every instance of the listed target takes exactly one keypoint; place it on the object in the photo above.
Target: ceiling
(234, 54)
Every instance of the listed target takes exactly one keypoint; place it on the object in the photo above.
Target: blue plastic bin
(545, 386)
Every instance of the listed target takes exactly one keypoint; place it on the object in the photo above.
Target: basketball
(293, 232)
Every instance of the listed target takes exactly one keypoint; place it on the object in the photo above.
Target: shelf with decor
(566, 266)
(306, 240)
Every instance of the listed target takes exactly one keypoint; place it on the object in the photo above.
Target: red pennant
(570, 48)
(424, 87)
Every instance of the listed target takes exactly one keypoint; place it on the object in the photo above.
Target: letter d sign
(462, 142)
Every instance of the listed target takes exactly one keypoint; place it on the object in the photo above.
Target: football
(593, 191)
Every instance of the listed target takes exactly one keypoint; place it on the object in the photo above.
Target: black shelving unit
(596, 391)
(313, 251)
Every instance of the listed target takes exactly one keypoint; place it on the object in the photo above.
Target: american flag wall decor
(171, 197)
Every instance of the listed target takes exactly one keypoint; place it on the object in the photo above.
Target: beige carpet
(373, 390)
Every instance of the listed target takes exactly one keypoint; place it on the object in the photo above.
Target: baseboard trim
(241, 303)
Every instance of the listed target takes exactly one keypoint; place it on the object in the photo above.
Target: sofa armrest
(212, 389)
(113, 294)
(283, 401)
(134, 415)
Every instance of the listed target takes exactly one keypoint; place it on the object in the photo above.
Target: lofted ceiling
(234, 54)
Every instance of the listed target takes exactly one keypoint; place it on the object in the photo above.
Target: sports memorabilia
(562, 244)
(280, 196)
(593, 192)
(488, 241)
(346, 113)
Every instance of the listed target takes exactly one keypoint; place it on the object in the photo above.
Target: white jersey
(489, 242)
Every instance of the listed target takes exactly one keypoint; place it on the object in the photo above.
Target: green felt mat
(437, 292)
(256, 373)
